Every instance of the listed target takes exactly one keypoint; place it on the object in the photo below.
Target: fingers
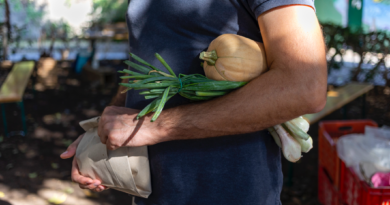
(77, 177)
(101, 133)
(110, 146)
(94, 185)
(100, 188)
(71, 150)
(85, 182)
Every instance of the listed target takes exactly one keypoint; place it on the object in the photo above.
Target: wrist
(167, 127)
(159, 129)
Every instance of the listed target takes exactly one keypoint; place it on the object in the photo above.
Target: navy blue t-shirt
(242, 169)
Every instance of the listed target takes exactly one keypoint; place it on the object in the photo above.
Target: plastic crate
(327, 193)
(356, 192)
(329, 132)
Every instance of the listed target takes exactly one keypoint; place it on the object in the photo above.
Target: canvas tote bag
(125, 169)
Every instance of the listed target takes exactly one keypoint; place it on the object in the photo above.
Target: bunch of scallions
(156, 84)
(161, 86)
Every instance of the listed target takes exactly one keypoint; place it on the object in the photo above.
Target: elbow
(317, 105)
(315, 99)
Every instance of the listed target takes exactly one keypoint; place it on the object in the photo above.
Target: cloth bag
(125, 169)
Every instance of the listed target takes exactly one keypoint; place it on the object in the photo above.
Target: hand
(84, 182)
(118, 127)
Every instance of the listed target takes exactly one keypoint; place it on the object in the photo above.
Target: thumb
(71, 150)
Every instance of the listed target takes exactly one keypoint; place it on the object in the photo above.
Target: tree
(108, 11)
(6, 30)
(56, 30)
(19, 16)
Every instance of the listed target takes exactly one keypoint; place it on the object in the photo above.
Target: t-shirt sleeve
(260, 6)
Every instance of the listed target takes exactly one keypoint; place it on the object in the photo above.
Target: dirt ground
(31, 172)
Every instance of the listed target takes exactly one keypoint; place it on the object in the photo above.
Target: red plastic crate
(329, 132)
(327, 193)
(357, 192)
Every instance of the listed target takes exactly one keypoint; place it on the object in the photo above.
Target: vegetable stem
(296, 131)
(161, 104)
(165, 64)
(210, 93)
(143, 61)
(210, 57)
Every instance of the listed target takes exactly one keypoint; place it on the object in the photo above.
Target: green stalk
(148, 85)
(214, 85)
(161, 91)
(194, 97)
(131, 72)
(140, 68)
(210, 93)
(135, 76)
(165, 64)
(158, 94)
(157, 90)
(143, 62)
(159, 78)
(161, 104)
(145, 93)
(296, 131)
(147, 97)
(149, 108)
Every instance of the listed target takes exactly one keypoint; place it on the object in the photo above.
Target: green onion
(148, 85)
(165, 64)
(131, 72)
(163, 86)
(143, 62)
(210, 93)
(149, 108)
(147, 97)
(161, 104)
(135, 76)
(296, 131)
(140, 68)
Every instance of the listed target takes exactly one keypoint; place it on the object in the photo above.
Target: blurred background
(79, 45)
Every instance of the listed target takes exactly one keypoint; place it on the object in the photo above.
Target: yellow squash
(232, 57)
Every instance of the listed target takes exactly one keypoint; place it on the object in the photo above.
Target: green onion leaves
(161, 86)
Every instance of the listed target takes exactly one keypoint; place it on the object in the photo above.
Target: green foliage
(368, 45)
(109, 11)
(57, 29)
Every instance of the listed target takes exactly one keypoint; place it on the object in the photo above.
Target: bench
(335, 100)
(13, 88)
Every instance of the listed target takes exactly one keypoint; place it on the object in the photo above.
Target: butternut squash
(232, 57)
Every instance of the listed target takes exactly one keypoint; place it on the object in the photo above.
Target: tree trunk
(51, 48)
(6, 30)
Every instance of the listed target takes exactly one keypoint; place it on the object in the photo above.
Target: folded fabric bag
(125, 169)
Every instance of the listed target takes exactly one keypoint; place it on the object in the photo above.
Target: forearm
(270, 99)
(120, 98)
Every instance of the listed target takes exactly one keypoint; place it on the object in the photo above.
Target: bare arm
(294, 85)
(120, 98)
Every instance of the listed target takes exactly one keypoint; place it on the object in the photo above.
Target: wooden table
(339, 97)
(13, 88)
